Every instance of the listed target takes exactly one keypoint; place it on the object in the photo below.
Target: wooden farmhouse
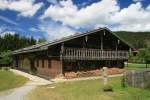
(77, 53)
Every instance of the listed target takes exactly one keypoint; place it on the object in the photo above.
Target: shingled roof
(45, 45)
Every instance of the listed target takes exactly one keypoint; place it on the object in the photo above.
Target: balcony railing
(93, 54)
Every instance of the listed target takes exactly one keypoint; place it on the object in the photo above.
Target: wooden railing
(93, 54)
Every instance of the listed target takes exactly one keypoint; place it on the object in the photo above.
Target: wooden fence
(138, 78)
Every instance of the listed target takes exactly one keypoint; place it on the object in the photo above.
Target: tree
(6, 58)
(10, 42)
(15, 41)
(144, 54)
(41, 40)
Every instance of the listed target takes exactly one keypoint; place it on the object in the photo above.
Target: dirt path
(16, 94)
(83, 78)
(35, 80)
(19, 93)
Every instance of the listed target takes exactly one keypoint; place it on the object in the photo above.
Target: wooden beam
(102, 41)
(61, 59)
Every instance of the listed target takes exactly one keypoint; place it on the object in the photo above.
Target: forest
(136, 39)
(10, 42)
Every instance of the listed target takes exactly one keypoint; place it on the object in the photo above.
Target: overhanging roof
(44, 46)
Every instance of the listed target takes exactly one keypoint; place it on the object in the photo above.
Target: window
(49, 63)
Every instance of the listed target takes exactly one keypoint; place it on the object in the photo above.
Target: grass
(88, 90)
(137, 66)
(9, 80)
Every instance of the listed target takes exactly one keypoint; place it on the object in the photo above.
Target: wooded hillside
(13, 42)
(137, 39)
(10, 42)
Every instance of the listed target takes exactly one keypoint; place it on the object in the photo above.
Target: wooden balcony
(93, 54)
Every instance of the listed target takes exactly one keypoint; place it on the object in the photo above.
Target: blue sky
(53, 19)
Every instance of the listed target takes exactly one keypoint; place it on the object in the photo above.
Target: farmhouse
(80, 52)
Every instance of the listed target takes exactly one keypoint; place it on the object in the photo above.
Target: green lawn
(9, 80)
(88, 90)
(136, 65)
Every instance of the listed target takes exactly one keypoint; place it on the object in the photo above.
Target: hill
(137, 39)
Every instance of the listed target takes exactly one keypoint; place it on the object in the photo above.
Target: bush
(123, 82)
(108, 88)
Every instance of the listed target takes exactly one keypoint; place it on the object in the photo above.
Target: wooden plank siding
(93, 54)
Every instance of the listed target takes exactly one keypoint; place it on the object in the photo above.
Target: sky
(53, 19)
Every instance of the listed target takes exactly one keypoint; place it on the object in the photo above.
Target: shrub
(123, 82)
(107, 88)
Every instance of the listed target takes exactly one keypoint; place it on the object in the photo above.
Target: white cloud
(34, 29)
(2, 29)
(53, 1)
(138, 0)
(54, 30)
(103, 13)
(26, 8)
(68, 13)
(6, 28)
(7, 32)
(133, 18)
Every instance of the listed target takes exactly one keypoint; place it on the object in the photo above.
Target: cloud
(53, 1)
(138, 0)
(7, 32)
(133, 18)
(69, 14)
(26, 8)
(33, 29)
(8, 20)
(54, 30)
(7, 28)
(2, 29)
(103, 13)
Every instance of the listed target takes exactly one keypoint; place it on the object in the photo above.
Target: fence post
(105, 75)
(133, 78)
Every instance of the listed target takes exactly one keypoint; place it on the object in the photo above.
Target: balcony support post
(61, 59)
(102, 41)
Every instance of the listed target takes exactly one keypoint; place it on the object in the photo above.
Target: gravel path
(83, 78)
(19, 93)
